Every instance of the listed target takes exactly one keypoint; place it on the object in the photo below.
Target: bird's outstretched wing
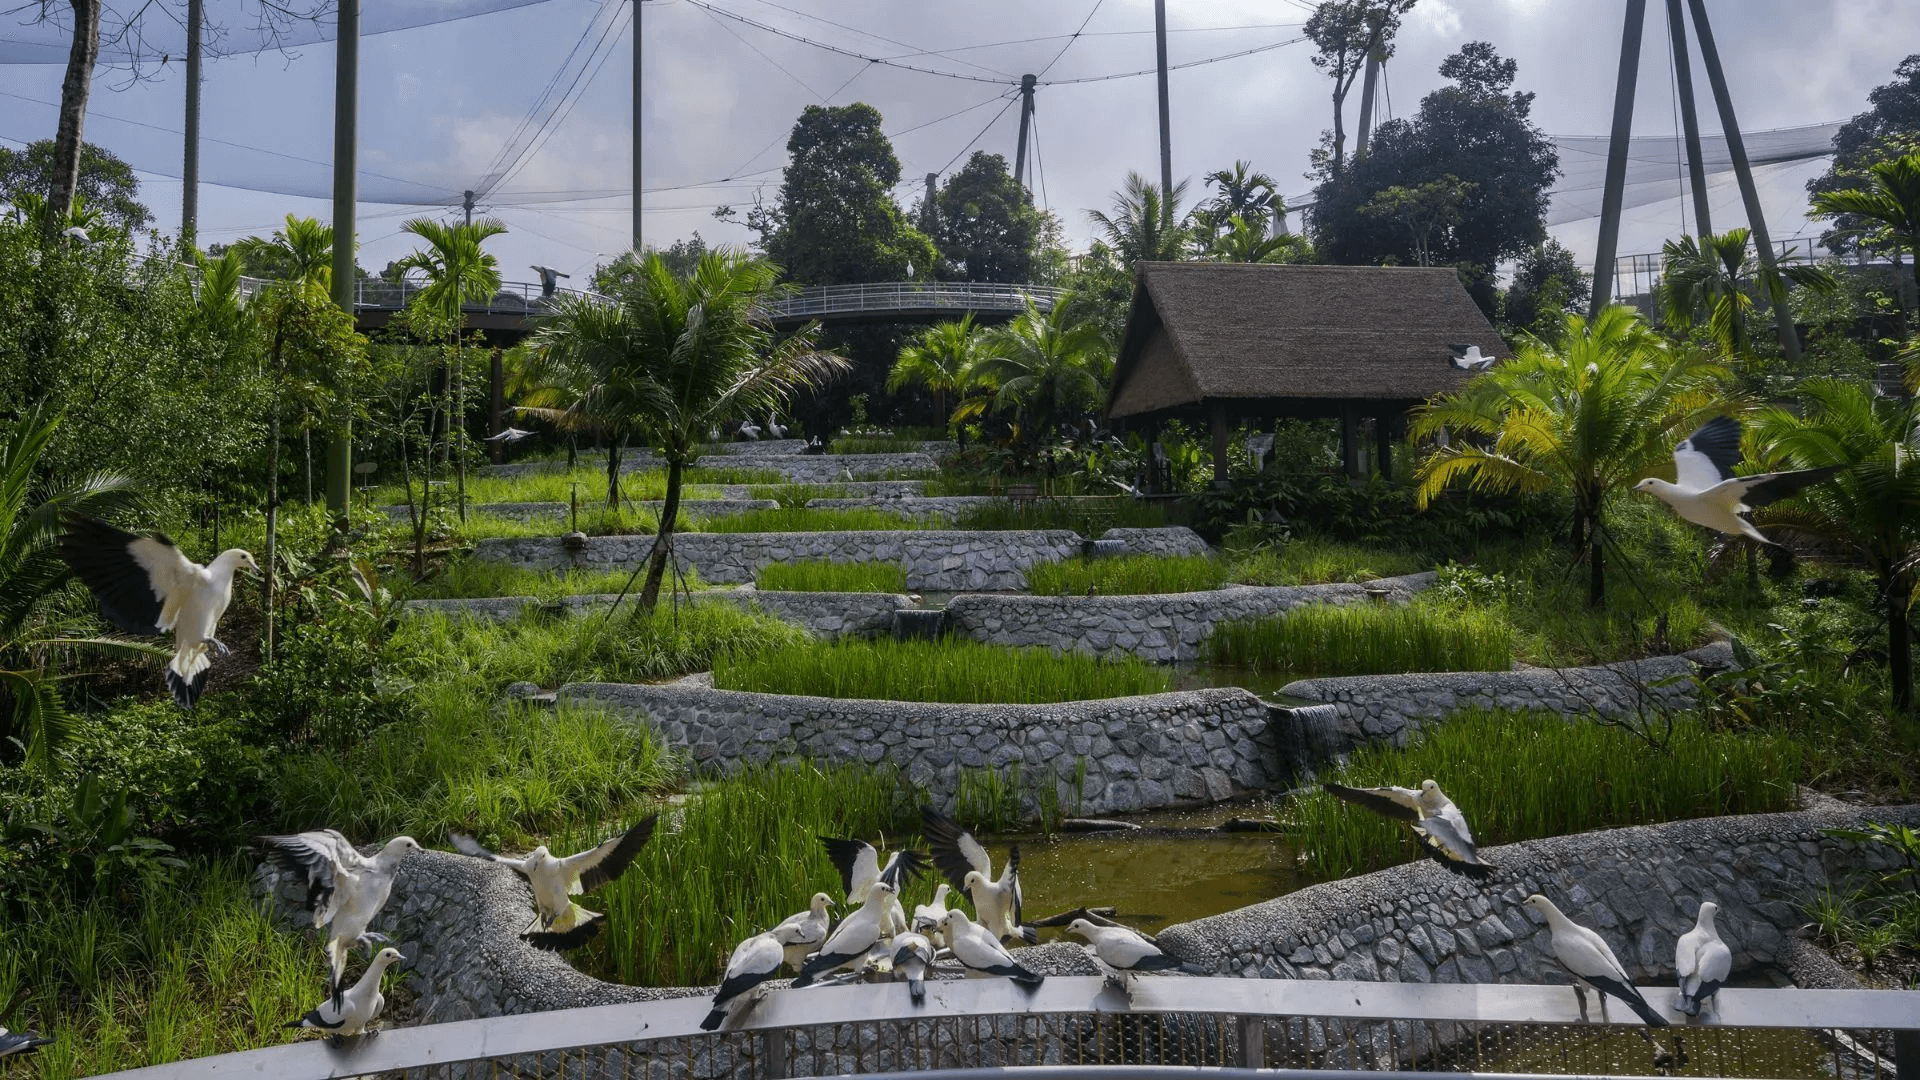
(1028, 933)
(1401, 804)
(596, 866)
(317, 859)
(955, 851)
(467, 845)
(1764, 489)
(858, 863)
(1707, 456)
(132, 577)
(1450, 847)
(902, 868)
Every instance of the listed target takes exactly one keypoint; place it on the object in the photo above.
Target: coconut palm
(1891, 201)
(1592, 414)
(1871, 507)
(1713, 279)
(941, 360)
(1045, 366)
(1145, 223)
(673, 357)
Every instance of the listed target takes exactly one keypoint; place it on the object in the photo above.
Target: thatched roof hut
(1221, 343)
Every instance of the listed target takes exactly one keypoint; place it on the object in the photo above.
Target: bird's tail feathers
(1635, 1000)
(1479, 871)
(302, 1022)
(1027, 980)
(1029, 935)
(187, 674)
(1162, 962)
(1688, 1004)
(572, 938)
(714, 1020)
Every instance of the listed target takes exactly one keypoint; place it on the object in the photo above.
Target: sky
(438, 102)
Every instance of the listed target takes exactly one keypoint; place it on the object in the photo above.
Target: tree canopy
(987, 226)
(1889, 128)
(108, 185)
(1343, 32)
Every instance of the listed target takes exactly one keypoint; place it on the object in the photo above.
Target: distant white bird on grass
(1702, 961)
(145, 586)
(1123, 950)
(982, 954)
(21, 1042)
(926, 917)
(562, 924)
(345, 889)
(802, 934)
(1588, 958)
(912, 961)
(1469, 358)
(1706, 492)
(967, 865)
(850, 942)
(349, 1013)
(1437, 823)
(859, 866)
(753, 962)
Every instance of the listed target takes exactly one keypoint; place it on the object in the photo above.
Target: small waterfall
(1307, 736)
(919, 623)
(1103, 549)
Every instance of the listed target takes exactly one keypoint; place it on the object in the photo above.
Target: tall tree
(989, 229)
(1045, 368)
(1591, 415)
(303, 251)
(107, 185)
(1421, 210)
(63, 180)
(1713, 279)
(1547, 285)
(941, 360)
(1889, 128)
(1146, 224)
(835, 221)
(458, 270)
(1884, 204)
(1239, 192)
(1343, 33)
(678, 356)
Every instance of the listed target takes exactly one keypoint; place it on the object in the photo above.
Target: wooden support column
(1222, 436)
(1152, 486)
(1383, 443)
(1350, 441)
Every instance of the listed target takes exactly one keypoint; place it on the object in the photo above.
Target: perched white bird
(1469, 358)
(1123, 949)
(982, 954)
(349, 1013)
(21, 1042)
(846, 473)
(970, 869)
(753, 962)
(850, 942)
(1260, 447)
(926, 917)
(749, 430)
(802, 934)
(145, 586)
(1706, 492)
(345, 889)
(1587, 957)
(774, 429)
(912, 961)
(561, 924)
(1437, 823)
(859, 866)
(1702, 961)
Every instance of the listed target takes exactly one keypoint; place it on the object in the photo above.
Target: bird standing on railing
(1587, 957)
(1701, 961)
(982, 955)
(968, 866)
(912, 960)
(1437, 823)
(1124, 951)
(349, 1013)
(801, 935)
(753, 962)
(345, 889)
(853, 939)
(560, 923)
(859, 866)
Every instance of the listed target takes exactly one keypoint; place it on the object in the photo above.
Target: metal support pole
(346, 115)
(931, 214)
(1616, 182)
(1689, 118)
(636, 125)
(466, 204)
(1737, 150)
(1166, 121)
(1366, 102)
(190, 161)
(1222, 435)
(1026, 122)
(497, 407)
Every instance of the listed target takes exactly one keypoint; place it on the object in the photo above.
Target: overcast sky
(720, 96)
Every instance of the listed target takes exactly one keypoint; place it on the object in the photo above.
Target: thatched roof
(1248, 333)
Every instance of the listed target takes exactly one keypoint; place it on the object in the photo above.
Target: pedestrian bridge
(1169, 1028)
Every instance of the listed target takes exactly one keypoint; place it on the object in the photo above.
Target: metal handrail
(1253, 999)
(911, 296)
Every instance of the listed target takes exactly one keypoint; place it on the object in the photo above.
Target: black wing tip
(1029, 935)
(552, 941)
(1159, 962)
(714, 1020)
(917, 993)
(1026, 980)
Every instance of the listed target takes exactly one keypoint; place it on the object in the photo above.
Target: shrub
(949, 671)
(1365, 639)
(819, 575)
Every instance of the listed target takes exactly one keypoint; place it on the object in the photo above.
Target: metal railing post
(1253, 1042)
(775, 1042)
(1906, 1052)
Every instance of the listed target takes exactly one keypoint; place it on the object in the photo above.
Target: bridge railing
(826, 300)
(1080, 1027)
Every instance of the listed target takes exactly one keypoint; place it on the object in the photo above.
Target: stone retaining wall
(945, 561)
(1168, 540)
(1139, 753)
(1160, 629)
(797, 468)
(828, 614)
(946, 507)
(1392, 707)
(1640, 887)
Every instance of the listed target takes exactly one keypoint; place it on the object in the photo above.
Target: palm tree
(1713, 278)
(1891, 201)
(1244, 193)
(1145, 224)
(1871, 507)
(941, 359)
(1593, 414)
(304, 248)
(218, 302)
(1043, 366)
(1249, 241)
(458, 269)
(675, 356)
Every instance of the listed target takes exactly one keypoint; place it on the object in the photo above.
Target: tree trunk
(67, 140)
(662, 539)
(457, 442)
(1596, 567)
(613, 474)
(1339, 126)
(416, 518)
(273, 523)
(1899, 648)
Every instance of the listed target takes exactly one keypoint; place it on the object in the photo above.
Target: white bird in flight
(560, 923)
(349, 1013)
(1702, 961)
(753, 962)
(145, 586)
(1587, 957)
(968, 866)
(508, 435)
(1705, 490)
(345, 889)
(859, 866)
(1469, 358)
(1437, 823)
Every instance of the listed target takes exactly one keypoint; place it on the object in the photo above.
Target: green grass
(819, 575)
(802, 520)
(1365, 639)
(1550, 777)
(1089, 517)
(166, 973)
(948, 671)
(871, 445)
(558, 486)
(1128, 575)
(1321, 562)
(465, 578)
